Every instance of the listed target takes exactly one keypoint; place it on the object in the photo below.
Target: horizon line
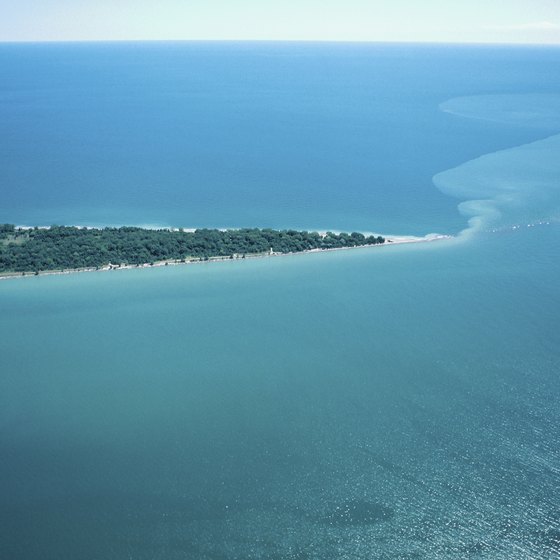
(292, 41)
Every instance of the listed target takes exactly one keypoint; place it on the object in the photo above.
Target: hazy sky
(518, 21)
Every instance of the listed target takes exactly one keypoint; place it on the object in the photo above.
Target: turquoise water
(385, 403)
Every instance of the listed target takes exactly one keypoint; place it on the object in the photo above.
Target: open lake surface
(391, 403)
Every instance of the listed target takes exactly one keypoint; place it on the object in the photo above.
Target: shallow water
(385, 403)
(513, 187)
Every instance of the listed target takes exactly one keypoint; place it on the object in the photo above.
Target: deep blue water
(309, 136)
(392, 403)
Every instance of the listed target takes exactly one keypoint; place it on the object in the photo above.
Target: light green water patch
(519, 186)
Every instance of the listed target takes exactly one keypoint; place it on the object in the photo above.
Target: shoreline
(389, 241)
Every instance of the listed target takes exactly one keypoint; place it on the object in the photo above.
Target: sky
(463, 21)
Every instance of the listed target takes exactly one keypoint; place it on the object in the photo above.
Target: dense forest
(64, 247)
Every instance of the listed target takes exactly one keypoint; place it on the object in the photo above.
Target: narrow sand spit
(389, 240)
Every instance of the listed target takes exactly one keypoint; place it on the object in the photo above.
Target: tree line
(67, 247)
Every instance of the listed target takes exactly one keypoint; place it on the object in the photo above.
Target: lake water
(385, 403)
